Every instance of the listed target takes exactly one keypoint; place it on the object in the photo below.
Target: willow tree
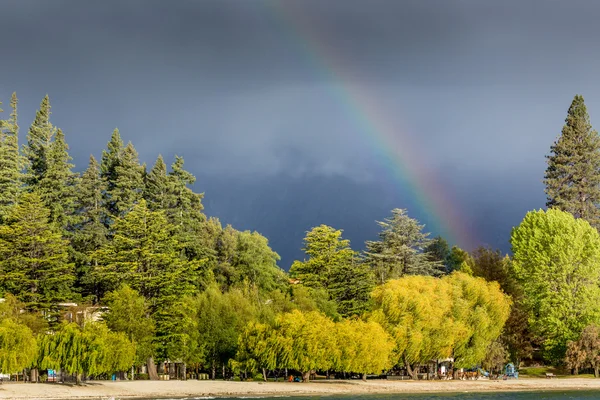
(417, 313)
(479, 311)
(92, 350)
(365, 347)
(556, 258)
(18, 347)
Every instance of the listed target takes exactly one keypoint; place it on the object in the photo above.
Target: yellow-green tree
(557, 261)
(479, 311)
(417, 313)
(18, 346)
(363, 347)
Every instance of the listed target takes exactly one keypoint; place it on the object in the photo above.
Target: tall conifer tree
(38, 143)
(34, 261)
(91, 234)
(157, 186)
(111, 159)
(128, 183)
(185, 211)
(572, 178)
(400, 249)
(58, 183)
(10, 159)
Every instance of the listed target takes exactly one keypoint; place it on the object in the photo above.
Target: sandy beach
(169, 389)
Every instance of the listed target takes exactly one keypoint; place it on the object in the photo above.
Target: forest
(117, 269)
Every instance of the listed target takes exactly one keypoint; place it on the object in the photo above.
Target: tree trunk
(306, 376)
(264, 371)
(184, 371)
(224, 372)
(596, 372)
(214, 371)
(364, 377)
(132, 373)
(33, 375)
(286, 374)
(152, 374)
(576, 371)
(78, 379)
(411, 372)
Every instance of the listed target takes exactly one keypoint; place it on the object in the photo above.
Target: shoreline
(219, 389)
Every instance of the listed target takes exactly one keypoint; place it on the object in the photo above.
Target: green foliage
(400, 249)
(220, 319)
(38, 143)
(57, 184)
(143, 254)
(572, 178)
(33, 256)
(129, 313)
(479, 311)
(557, 261)
(459, 260)
(17, 346)
(10, 159)
(333, 266)
(91, 350)
(128, 183)
(439, 251)
(496, 357)
(90, 234)
(431, 318)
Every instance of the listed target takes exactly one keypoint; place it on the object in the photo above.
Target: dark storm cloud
(232, 85)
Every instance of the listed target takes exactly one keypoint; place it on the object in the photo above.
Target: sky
(296, 113)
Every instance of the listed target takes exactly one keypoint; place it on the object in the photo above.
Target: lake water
(573, 395)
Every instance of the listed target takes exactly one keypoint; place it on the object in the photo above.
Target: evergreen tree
(439, 251)
(58, 183)
(39, 138)
(128, 183)
(334, 266)
(572, 178)
(185, 213)
(10, 159)
(34, 262)
(111, 159)
(157, 186)
(143, 254)
(90, 233)
(400, 249)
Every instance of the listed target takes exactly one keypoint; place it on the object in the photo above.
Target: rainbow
(397, 151)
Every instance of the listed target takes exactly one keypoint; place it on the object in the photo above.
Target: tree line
(177, 285)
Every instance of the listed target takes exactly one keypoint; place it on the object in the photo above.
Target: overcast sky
(481, 87)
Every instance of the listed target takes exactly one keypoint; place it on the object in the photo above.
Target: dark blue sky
(483, 86)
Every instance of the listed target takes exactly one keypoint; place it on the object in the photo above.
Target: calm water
(573, 395)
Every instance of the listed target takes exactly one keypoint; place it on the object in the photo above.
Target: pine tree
(10, 159)
(572, 178)
(39, 138)
(157, 186)
(111, 159)
(439, 251)
(58, 183)
(128, 183)
(400, 249)
(143, 254)
(333, 265)
(185, 212)
(91, 234)
(34, 262)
